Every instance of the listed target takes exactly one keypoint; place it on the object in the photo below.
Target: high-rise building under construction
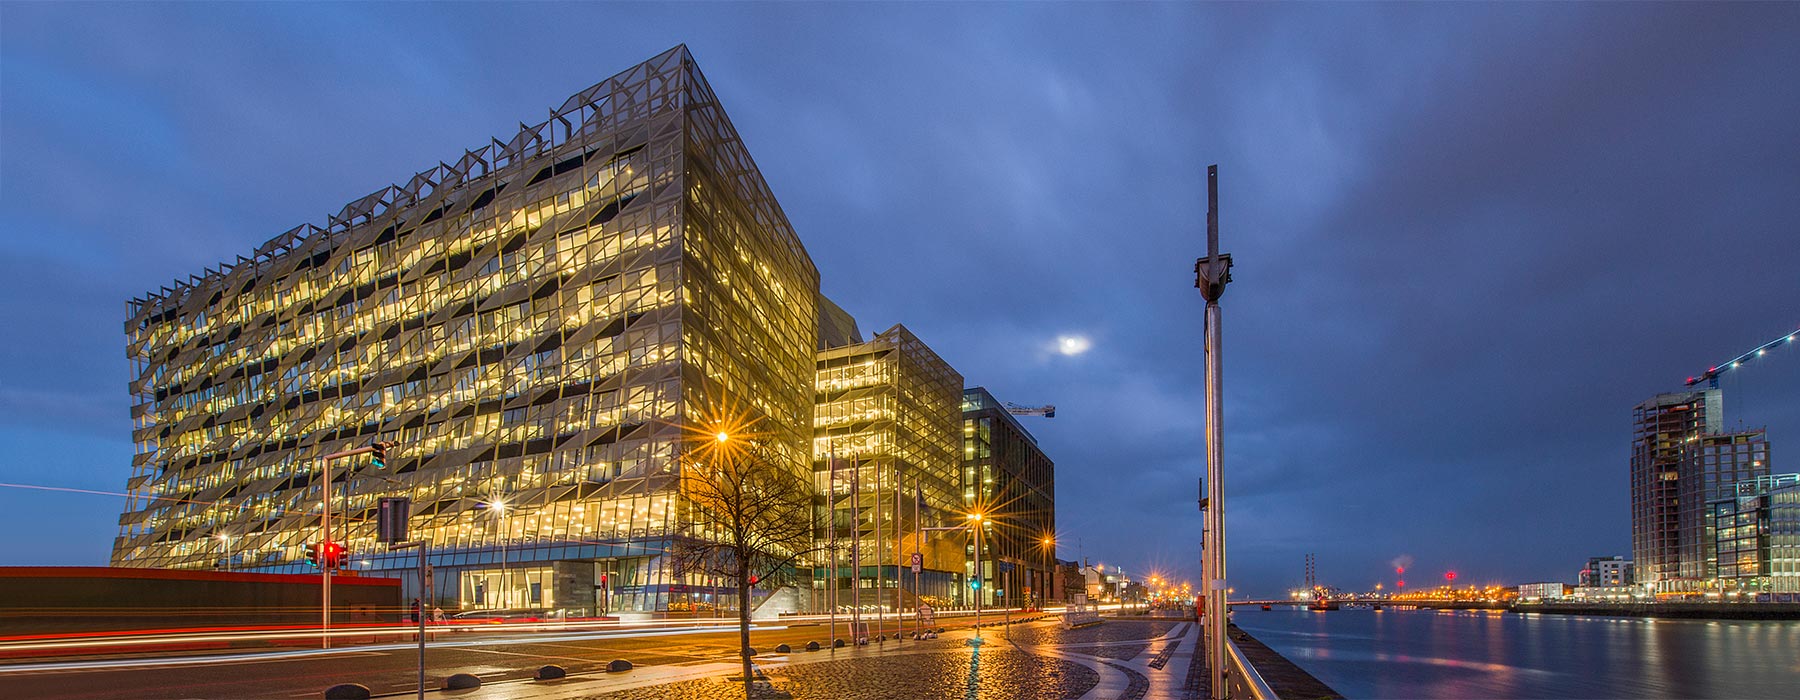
(1682, 459)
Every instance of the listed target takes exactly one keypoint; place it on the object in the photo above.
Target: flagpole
(831, 598)
(856, 550)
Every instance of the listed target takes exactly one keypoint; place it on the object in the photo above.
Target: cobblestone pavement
(1105, 632)
(1022, 667)
(996, 674)
(1123, 652)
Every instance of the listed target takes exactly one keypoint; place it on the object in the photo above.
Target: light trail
(124, 664)
(511, 632)
(162, 639)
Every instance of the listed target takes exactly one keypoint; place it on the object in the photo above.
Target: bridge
(1386, 603)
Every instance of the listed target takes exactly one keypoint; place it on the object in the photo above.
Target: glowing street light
(723, 437)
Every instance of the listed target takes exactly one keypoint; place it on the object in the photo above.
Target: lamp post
(1211, 274)
(499, 508)
(380, 450)
(975, 521)
(978, 574)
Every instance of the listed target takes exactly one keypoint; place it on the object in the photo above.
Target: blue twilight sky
(1469, 237)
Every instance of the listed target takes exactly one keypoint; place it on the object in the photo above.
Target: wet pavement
(1117, 659)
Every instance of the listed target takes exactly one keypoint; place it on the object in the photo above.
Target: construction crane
(1017, 410)
(1711, 376)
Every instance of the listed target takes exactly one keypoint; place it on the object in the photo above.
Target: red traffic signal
(332, 555)
(754, 578)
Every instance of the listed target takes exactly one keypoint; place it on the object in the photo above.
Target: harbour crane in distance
(1048, 411)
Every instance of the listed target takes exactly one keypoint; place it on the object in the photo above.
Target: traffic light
(754, 578)
(976, 584)
(312, 555)
(332, 555)
(378, 458)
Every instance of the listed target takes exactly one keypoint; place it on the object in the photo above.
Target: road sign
(1006, 566)
(390, 519)
(918, 562)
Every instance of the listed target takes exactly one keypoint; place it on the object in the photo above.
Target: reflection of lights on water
(1073, 345)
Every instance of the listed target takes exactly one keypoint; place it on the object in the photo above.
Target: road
(387, 668)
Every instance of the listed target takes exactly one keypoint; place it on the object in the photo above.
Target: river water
(1465, 654)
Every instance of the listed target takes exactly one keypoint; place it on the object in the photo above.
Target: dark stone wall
(43, 600)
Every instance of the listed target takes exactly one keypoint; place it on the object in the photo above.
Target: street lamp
(975, 521)
(498, 506)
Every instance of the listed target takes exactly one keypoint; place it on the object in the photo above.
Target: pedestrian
(416, 611)
(437, 614)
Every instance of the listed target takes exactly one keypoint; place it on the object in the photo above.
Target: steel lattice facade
(542, 324)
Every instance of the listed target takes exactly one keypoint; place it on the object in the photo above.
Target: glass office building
(1757, 536)
(885, 448)
(1006, 475)
(542, 324)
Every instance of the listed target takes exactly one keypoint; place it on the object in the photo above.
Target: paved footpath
(1118, 659)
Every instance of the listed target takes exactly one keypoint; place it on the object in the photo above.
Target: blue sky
(1469, 238)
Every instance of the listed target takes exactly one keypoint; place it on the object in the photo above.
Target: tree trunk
(744, 622)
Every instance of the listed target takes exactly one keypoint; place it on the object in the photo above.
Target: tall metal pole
(325, 562)
(875, 529)
(919, 548)
(831, 523)
(325, 531)
(1212, 273)
(978, 578)
(899, 553)
(856, 551)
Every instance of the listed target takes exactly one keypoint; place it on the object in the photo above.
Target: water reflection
(1475, 654)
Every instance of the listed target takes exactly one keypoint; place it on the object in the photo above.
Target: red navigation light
(1399, 570)
(1449, 576)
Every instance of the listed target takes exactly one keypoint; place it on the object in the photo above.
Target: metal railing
(1242, 680)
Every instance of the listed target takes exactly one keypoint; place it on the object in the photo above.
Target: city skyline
(1386, 271)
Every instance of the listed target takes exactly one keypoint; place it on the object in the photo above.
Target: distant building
(1544, 591)
(1607, 572)
(1756, 533)
(1068, 580)
(1681, 459)
(1105, 583)
(1006, 475)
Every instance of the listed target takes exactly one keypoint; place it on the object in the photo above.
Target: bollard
(784, 649)
(347, 691)
(837, 643)
(550, 672)
(462, 681)
(618, 665)
(812, 646)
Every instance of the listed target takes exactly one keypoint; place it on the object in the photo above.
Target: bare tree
(751, 523)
